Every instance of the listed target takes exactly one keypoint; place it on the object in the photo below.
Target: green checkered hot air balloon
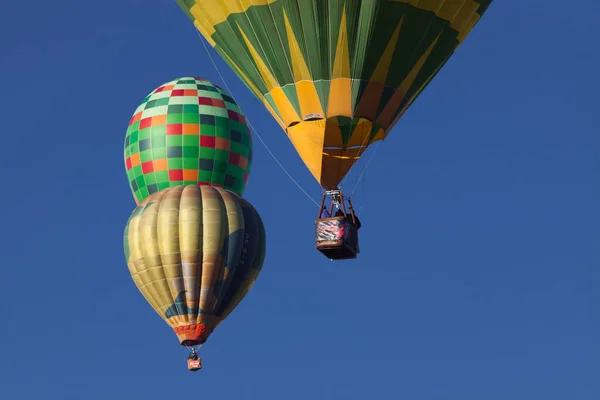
(187, 132)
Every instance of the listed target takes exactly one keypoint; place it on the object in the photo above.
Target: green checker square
(186, 183)
(144, 192)
(176, 183)
(129, 151)
(175, 163)
(158, 153)
(174, 118)
(238, 186)
(163, 185)
(137, 170)
(234, 107)
(146, 155)
(223, 133)
(238, 148)
(191, 151)
(220, 166)
(134, 137)
(190, 163)
(207, 130)
(222, 122)
(162, 102)
(190, 140)
(220, 112)
(191, 109)
(204, 176)
(236, 171)
(130, 177)
(238, 126)
(191, 118)
(134, 127)
(140, 181)
(133, 148)
(206, 110)
(221, 156)
(245, 139)
(159, 130)
(150, 178)
(175, 140)
(206, 93)
(218, 177)
(145, 133)
(138, 195)
(161, 176)
(159, 141)
(207, 152)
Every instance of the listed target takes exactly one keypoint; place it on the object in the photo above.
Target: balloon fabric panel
(338, 74)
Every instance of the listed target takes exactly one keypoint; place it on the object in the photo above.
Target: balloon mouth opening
(192, 335)
(191, 343)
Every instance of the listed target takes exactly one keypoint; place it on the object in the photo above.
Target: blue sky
(479, 272)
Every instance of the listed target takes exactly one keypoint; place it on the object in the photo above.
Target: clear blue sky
(479, 272)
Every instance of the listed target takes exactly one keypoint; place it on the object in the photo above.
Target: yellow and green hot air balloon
(194, 252)
(337, 74)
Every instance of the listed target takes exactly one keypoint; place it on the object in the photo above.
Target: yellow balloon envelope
(337, 74)
(194, 252)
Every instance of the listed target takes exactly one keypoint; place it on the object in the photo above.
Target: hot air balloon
(194, 252)
(336, 75)
(187, 131)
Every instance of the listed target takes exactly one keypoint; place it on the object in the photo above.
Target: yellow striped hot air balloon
(194, 252)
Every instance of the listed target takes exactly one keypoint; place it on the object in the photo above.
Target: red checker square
(174, 129)
(178, 92)
(146, 123)
(234, 159)
(147, 167)
(203, 183)
(135, 118)
(207, 141)
(246, 176)
(175, 175)
(233, 115)
(128, 163)
(160, 89)
(200, 79)
(218, 103)
(205, 101)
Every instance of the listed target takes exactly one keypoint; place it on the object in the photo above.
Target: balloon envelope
(187, 131)
(336, 74)
(194, 252)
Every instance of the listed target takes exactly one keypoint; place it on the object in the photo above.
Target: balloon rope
(252, 127)
(364, 170)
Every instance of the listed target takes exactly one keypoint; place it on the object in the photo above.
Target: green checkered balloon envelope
(187, 131)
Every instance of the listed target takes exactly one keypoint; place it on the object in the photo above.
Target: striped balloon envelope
(194, 252)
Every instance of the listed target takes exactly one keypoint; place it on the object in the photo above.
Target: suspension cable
(251, 126)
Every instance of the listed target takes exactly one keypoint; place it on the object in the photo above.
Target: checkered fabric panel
(187, 131)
